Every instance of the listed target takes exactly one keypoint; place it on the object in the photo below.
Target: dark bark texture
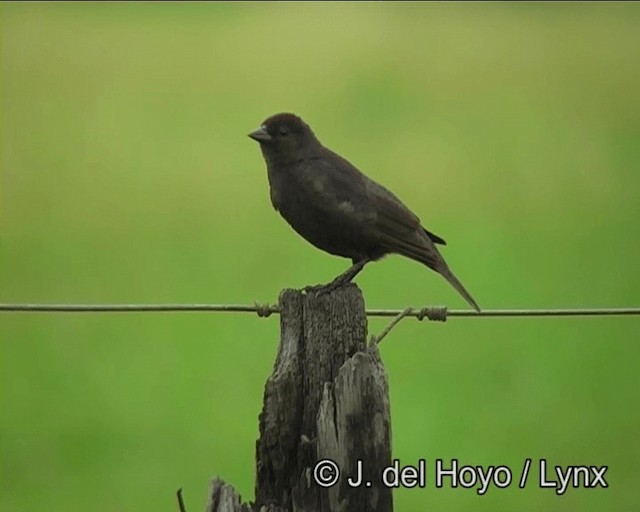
(327, 398)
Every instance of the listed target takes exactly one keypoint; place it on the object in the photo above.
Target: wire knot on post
(433, 313)
(264, 310)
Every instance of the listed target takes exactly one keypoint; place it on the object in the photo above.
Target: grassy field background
(512, 130)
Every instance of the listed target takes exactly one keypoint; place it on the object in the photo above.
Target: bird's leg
(344, 278)
(348, 275)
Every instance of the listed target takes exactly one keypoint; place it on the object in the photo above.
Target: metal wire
(266, 310)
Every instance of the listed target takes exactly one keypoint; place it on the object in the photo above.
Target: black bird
(339, 209)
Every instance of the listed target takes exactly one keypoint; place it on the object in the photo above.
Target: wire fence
(436, 313)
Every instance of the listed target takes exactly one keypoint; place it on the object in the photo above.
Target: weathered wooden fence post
(327, 398)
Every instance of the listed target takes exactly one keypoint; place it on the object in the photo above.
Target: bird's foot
(344, 278)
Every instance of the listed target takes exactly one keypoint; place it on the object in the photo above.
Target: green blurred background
(127, 176)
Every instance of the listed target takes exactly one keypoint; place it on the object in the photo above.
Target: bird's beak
(260, 135)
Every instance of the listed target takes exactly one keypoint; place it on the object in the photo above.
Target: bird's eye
(283, 131)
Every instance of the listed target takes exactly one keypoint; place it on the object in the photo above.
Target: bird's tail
(448, 275)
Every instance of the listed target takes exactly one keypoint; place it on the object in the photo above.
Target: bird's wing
(351, 197)
(337, 187)
(390, 210)
(399, 229)
(435, 238)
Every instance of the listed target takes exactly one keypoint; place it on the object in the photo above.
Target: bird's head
(285, 137)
